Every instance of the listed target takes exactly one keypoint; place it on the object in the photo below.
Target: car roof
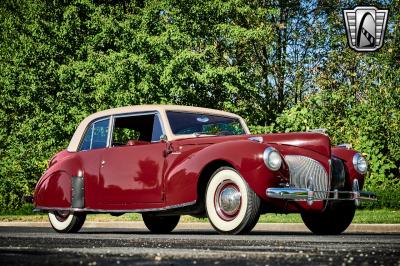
(161, 109)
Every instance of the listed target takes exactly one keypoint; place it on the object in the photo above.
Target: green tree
(63, 60)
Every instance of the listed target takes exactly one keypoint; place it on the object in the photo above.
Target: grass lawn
(362, 216)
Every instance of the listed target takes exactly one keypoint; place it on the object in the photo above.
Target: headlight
(360, 164)
(272, 159)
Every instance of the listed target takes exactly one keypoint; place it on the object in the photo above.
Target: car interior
(136, 130)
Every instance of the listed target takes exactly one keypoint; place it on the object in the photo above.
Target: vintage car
(164, 161)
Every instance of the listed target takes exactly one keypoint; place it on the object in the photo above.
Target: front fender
(185, 167)
(346, 155)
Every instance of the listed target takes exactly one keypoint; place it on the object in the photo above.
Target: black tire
(246, 208)
(334, 220)
(254, 214)
(160, 224)
(66, 221)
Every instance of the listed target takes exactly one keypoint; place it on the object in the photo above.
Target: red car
(164, 161)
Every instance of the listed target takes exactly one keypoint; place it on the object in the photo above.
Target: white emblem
(365, 26)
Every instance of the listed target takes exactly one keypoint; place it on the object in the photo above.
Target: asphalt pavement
(194, 244)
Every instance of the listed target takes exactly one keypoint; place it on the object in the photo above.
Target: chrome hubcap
(228, 200)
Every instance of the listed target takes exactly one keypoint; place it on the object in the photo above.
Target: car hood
(316, 142)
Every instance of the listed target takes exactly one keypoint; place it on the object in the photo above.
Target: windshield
(196, 123)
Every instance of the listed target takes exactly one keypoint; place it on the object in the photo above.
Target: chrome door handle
(103, 163)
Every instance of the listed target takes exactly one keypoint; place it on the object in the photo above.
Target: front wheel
(334, 220)
(160, 224)
(232, 206)
(66, 221)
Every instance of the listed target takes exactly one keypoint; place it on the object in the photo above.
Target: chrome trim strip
(256, 139)
(40, 208)
(110, 131)
(91, 136)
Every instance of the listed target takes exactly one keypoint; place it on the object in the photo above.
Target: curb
(266, 227)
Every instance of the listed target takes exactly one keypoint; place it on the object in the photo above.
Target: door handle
(103, 163)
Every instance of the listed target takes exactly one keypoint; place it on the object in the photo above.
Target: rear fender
(53, 191)
(54, 188)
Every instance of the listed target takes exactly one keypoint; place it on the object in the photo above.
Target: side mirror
(163, 138)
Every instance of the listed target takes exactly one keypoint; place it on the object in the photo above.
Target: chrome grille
(305, 170)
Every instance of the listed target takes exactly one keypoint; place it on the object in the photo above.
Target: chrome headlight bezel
(360, 163)
(272, 159)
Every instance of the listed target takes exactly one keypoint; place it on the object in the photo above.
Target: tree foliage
(283, 66)
(358, 102)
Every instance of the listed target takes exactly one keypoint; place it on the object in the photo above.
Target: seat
(132, 142)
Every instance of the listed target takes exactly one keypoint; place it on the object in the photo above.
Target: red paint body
(142, 177)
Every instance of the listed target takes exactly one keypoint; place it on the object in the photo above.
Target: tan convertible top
(161, 109)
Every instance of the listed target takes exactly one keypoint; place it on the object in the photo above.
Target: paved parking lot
(193, 245)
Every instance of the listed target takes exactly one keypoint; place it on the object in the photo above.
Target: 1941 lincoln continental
(164, 161)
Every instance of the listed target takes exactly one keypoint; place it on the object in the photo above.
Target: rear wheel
(66, 221)
(334, 220)
(160, 224)
(232, 206)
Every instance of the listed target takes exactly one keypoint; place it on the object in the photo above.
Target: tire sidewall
(334, 220)
(221, 175)
(160, 224)
(60, 225)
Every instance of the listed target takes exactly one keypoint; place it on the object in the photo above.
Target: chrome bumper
(309, 195)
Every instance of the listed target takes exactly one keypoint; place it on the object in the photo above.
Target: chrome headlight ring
(272, 159)
(360, 163)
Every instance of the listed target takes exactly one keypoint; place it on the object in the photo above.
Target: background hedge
(283, 66)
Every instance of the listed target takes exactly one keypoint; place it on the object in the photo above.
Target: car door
(90, 152)
(131, 169)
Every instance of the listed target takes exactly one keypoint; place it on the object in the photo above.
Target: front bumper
(310, 195)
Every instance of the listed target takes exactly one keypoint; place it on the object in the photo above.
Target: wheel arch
(205, 176)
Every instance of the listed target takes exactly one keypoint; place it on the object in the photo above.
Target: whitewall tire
(66, 221)
(232, 206)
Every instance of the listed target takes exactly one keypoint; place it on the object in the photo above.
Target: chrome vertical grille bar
(304, 170)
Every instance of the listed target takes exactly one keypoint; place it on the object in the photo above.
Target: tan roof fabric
(161, 109)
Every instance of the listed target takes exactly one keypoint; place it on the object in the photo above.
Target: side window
(136, 130)
(87, 139)
(100, 133)
(96, 136)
